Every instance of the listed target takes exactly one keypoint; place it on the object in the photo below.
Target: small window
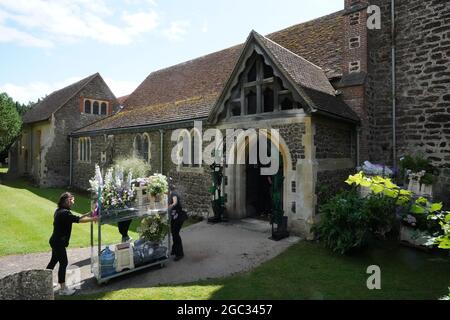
(268, 100)
(354, 19)
(293, 208)
(104, 108)
(354, 66)
(87, 106)
(294, 187)
(95, 109)
(354, 42)
(251, 103)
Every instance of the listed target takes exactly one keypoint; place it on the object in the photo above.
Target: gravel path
(211, 251)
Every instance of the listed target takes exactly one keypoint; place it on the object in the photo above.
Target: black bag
(182, 216)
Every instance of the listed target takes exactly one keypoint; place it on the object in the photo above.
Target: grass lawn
(26, 215)
(309, 271)
(3, 170)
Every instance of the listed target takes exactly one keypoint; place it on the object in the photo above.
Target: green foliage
(344, 223)
(10, 122)
(138, 167)
(426, 212)
(417, 164)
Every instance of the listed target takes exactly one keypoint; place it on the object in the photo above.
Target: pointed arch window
(141, 147)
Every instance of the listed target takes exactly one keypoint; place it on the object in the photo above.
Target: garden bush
(344, 223)
(349, 221)
(138, 167)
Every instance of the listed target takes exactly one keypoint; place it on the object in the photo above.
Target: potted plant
(420, 173)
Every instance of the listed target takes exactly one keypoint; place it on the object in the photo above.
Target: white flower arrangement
(158, 185)
(116, 193)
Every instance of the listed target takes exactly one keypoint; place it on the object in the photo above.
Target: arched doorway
(246, 187)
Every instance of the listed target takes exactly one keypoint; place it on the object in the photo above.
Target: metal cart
(115, 216)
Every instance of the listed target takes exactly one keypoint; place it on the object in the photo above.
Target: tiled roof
(50, 104)
(203, 79)
(302, 72)
(122, 100)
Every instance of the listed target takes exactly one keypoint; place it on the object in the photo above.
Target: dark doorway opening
(259, 189)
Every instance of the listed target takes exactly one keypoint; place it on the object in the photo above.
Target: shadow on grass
(309, 271)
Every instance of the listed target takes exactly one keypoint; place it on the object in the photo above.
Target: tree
(10, 121)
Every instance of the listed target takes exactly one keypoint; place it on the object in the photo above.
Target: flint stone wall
(27, 285)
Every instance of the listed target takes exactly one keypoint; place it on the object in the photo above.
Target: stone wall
(423, 84)
(27, 285)
(334, 139)
(335, 148)
(68, 119)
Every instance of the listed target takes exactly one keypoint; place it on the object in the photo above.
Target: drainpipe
(394, 94)
(358, 146)
(71, 162)
(161, 132)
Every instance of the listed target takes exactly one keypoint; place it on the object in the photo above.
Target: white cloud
(177, 30)
(121, 87)
(22, 38)
(141, 22)
(64, 20)
(35, 90)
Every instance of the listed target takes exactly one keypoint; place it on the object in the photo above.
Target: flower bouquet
(116, 193)
(153, 229)
(157, 189)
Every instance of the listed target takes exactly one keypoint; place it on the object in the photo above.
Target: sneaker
(66, 292)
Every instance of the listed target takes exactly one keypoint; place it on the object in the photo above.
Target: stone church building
(326, 85)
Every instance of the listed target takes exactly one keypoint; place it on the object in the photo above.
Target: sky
(46, 45)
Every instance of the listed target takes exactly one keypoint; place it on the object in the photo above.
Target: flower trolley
(112, 261)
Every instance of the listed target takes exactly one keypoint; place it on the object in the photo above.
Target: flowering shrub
(158, 185)
(116, 192)
(153, 228)
(424, 211)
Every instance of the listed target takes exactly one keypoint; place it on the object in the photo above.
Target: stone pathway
(211, 251)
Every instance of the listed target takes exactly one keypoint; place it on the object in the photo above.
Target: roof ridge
(240, 44)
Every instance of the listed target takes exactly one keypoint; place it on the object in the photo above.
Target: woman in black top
(178, 216)
(59, 241)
